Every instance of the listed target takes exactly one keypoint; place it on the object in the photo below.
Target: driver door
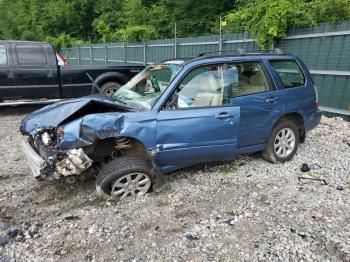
(200, 127)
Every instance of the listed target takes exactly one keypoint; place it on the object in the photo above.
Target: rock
(15, 234)
(5, 258)
(191, 237)
(4, 240)
(27, 200)
(71, 218)
(4, 226)
(340, 188)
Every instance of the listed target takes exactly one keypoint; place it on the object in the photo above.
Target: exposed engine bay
(65, 163)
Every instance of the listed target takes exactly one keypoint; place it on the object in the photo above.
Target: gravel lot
(246, 209)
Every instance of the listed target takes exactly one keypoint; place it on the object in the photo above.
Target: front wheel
(282, 143)
(125, 177)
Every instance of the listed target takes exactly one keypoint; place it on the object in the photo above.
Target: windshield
(146, 87)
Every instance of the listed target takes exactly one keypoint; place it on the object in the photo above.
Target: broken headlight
(46, 138)
(60, 134)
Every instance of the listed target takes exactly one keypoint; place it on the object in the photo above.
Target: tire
(280, 149)
(125, 171)
(109, 88)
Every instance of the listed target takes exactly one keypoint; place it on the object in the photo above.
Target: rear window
(31, 55)
(289, 72)
(3, 57)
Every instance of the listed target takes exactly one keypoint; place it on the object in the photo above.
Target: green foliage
(63, 41)
(270, 19)
(136, 33)
(67, 23)
(228, 168)
(330, 10)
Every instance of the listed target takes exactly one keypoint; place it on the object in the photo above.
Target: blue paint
(182, 137)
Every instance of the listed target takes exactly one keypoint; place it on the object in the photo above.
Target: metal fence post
(144, 53)
(66, 53)
(78, 55)
(124, 55)
(91, 58)
(175, 42)
(106, 58)
(220, 45)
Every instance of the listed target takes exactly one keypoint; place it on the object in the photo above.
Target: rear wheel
(125, 177)
(109, 88)
(283, 142)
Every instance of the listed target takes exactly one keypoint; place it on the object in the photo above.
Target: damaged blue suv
(173, 115)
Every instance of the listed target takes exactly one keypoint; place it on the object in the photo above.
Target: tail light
(64, 60)
(317, 103)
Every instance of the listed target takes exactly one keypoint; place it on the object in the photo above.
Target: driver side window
(202, 87)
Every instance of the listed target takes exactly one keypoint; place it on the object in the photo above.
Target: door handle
(50, 73)
(223, 115)
(11, 74)
(272, 99)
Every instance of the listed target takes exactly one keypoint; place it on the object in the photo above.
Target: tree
(68, 22)
(269, 19)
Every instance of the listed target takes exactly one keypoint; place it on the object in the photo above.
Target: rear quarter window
(3, 57)
(31, 55)
(289, 72)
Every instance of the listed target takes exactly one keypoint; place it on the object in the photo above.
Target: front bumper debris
(35, 161)
(74, 162)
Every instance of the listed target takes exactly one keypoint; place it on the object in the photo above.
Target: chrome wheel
(284, 142)
(134, 184)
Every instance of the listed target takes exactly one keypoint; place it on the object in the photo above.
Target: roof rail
(238, 51)
(277, 51)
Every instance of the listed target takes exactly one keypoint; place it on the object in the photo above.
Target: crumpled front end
(47, 162)
(58, 135)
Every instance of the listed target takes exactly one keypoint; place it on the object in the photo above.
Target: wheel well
(298, 120)
(118, 80)
(136, 148)
(117, 146)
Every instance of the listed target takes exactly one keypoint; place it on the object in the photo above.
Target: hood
(52, 116)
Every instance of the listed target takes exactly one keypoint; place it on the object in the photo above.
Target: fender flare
(111, 75)
(277, 119)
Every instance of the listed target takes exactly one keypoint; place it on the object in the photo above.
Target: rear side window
(3, 57)
(31, 55)
(289, 72)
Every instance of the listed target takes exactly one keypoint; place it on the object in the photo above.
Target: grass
(228, 168)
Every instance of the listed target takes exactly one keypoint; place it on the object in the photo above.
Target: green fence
(325, 49)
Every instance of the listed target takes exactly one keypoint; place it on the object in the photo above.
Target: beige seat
(243, 80)
(256, 84)
(256, 80)
(210, 94)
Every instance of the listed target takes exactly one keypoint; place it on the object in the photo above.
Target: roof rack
(241, 51)
(277, 51)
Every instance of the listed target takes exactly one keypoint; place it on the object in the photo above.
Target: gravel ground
(245, 209)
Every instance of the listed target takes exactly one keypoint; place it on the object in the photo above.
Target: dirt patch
(243, 209)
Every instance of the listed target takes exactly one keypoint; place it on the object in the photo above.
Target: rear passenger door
(7, 83)
(35, 71)
(259, 101)
(298, 91)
